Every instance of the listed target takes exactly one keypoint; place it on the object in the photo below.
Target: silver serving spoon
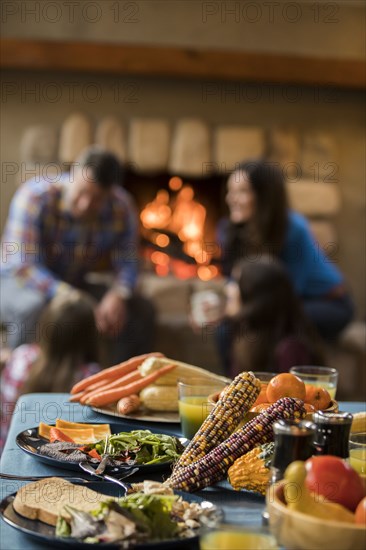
(105, 457)
(90, 470)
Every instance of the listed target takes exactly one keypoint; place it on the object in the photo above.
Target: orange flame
(184, 216)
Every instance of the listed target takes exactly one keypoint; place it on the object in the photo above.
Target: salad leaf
(63, 529)
(153, 511)
(84, 524)
(140, 447)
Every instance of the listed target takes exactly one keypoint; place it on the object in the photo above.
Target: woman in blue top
(260, 221)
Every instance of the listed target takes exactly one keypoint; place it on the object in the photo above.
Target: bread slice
(45, 499)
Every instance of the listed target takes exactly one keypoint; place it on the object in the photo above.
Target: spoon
(90, 470)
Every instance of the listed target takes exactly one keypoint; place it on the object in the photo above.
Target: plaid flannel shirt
(44, 246)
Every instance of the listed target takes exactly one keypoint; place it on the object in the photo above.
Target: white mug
(206, 307)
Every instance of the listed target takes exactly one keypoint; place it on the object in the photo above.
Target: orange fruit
(262, 397)
(285, 385)
(318, 397)
(360, 513)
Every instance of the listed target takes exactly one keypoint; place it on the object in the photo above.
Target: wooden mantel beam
(180, 62)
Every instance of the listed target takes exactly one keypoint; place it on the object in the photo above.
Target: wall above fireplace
(240, 51)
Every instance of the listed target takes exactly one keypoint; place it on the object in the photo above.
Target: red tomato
(335, 479)
(360, 514)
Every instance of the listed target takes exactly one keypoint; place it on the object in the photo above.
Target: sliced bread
(45, 499)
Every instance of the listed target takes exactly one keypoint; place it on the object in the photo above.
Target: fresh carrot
(131, 377)
(76, 397)
(80, 397)
(114, 372)
(110, 396)
(95, 386)
(58, 435)
(94, 454)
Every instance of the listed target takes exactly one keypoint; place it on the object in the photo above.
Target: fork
(87, 467)
(15, 477)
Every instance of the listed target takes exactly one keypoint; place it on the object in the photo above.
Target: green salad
(140, 447)
(136, 517)
(154, 513)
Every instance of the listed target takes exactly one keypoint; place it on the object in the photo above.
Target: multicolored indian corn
(214, 466)
(234, 402)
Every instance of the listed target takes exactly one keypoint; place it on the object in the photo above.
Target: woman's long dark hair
(270, 312)
(266, 231)
(68, 339)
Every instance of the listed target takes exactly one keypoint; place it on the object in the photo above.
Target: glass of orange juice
(323, 377)
(236, 537)
(194, 406)
(357, 452)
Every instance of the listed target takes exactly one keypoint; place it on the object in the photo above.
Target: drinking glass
(323, 377)
(194, 406)
(264, 376)
(357, 452)
(237, 537)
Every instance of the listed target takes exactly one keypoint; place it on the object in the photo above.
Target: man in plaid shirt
(59, 231)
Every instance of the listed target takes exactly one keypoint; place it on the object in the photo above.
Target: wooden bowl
(333, 408)
(298, 531)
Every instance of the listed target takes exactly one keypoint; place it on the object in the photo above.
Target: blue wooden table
(242, 508)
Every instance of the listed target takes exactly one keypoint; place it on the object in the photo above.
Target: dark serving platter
(46, 533)
(29, 441)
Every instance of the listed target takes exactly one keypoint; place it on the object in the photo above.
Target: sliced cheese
(78, 436)
(100, 430)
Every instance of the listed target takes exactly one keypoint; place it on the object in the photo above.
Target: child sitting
(66, 352)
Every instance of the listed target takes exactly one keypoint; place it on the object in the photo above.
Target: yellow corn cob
(182, 370)
(160, 398)
(235, 401)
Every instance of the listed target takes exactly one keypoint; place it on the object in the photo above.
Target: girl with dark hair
(260, 221)
(269, 330)
(67, 352)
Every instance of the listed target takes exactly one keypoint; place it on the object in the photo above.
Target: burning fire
(183, 216)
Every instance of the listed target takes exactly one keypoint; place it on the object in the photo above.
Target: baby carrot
(131, 377)
(114, 372)
(110, 396)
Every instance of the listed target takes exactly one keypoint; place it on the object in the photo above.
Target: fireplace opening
(178, 222)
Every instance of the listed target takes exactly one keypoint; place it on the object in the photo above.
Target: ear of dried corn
(235, 401)
(214, 466)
